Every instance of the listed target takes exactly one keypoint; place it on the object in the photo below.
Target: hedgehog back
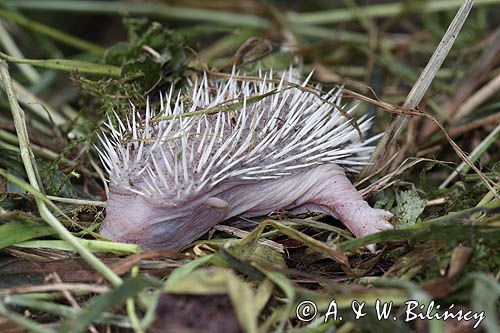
(229, 131)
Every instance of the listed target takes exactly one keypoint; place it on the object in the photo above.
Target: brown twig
(127, 263)
(91, 288)
(54, 277)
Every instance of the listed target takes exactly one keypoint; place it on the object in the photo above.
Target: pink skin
(132, 218)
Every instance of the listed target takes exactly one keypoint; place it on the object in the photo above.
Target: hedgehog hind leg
(338, 197)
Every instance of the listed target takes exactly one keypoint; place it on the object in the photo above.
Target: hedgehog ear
(217, 203)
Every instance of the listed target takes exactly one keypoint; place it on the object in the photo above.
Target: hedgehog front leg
(340, 198)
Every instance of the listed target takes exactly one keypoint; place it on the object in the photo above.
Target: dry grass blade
(129, 262)
(386, 180)
(402, 111)
(242, 234)
(420, 88)
(492, 187)
(473, 155)
(479, 97)
(459, 130)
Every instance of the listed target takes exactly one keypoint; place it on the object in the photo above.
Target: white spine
(279, 135)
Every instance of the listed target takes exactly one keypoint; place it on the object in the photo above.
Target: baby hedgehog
(174, 175)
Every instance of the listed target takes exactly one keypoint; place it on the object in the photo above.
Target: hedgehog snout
(134, 219)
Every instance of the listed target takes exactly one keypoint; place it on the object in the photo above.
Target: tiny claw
(382, 225)
(372, 248)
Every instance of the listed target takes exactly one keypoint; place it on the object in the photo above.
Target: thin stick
(459, 130)
(474, 155)
(29, 165)
(55, 278)
(420, 88)
(59, 286)
(479, 97)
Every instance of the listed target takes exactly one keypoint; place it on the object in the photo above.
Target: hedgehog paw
(375, 221)
(370, 221)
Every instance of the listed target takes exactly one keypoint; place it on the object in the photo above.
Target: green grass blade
(16, 232)
(65, 65)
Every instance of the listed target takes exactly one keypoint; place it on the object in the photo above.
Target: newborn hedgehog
(173, 175)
